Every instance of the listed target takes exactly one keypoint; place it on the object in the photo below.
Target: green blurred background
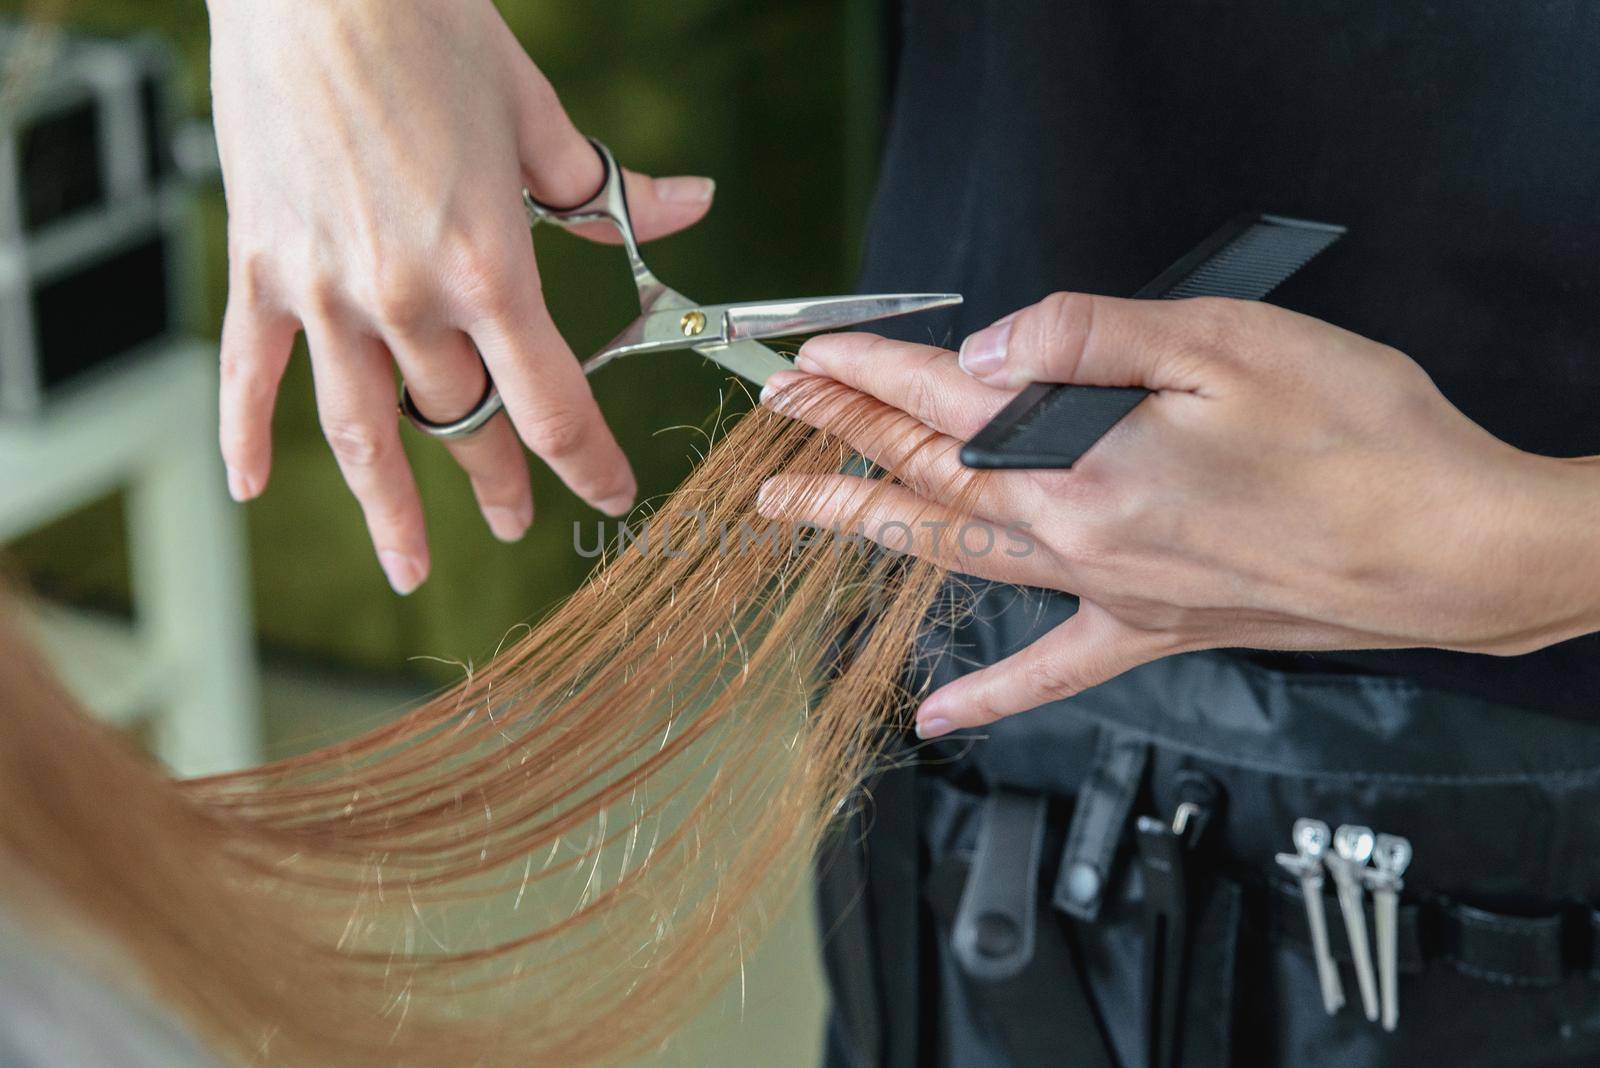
(779, 100)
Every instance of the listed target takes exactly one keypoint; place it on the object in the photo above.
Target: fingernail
(618, 506)
(777, 382)
(403, 571)
(984, 353)
(764, 496)
(239, 487)
(819, 348)
(685, 190)
(509, 524)
(933, 727)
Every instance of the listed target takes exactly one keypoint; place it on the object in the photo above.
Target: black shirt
(1041, 145)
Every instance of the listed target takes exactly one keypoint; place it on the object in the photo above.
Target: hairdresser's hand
(374, 155)
(1289, 486)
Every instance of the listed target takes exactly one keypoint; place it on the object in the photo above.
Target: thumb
(561, 168)
(1093, 341)
(660, 206)
(1086, 650)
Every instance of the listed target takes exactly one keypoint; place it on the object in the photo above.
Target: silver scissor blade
(750, 360)
(785, 318)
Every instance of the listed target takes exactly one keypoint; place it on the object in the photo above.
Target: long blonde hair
(666, 748)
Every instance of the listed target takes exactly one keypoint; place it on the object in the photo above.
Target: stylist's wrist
(1539, 563)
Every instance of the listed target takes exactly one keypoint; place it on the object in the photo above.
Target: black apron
(1038, 146)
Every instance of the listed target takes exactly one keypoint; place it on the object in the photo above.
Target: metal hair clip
(1352, 847)
(1311, 840)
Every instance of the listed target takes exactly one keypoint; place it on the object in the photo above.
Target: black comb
(1052, 426)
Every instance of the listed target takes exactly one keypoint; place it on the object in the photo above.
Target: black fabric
(1209, 1002)
(1036, 145)
(1500, 948)
(871, 927)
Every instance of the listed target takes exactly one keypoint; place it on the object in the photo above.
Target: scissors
(729, 335)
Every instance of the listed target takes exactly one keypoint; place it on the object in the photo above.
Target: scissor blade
(785, 318)
(750, 360)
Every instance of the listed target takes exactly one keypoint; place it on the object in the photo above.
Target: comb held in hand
(1052, 426)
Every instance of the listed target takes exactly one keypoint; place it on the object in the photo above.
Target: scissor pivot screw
(692, 323)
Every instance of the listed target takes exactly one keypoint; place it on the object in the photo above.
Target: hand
(374, 155)
(1289, 486)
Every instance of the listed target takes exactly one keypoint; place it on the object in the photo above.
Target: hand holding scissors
(373, 154)
(372, 207)
(729, 335)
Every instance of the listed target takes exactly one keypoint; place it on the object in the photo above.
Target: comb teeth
(1255, 262)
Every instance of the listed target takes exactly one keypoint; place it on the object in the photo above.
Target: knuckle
(558, 434)
(321, 294)
(925, 397)
(879, 349)
(355, 444)
(250, 275)
(1065, 322)
(1219, 323)
(392, 514)
(445, 397)
(987, 715)
(247, 375)
(400, 298)
(484, 275)
(1412, 380)
(1081, 544)
(1055, 677)
(865, 361)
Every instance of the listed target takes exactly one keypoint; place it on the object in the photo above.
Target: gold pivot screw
(692, 323)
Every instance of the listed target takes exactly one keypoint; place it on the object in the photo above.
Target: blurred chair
(100, 389)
